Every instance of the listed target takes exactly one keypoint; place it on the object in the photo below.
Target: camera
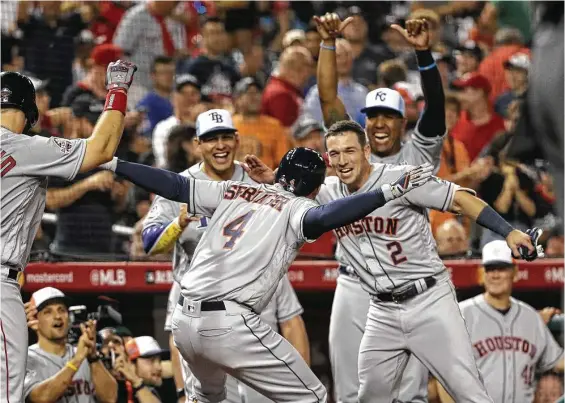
(105, 316)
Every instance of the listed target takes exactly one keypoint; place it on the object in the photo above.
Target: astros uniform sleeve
(423, 149)
(34, 374)
(551, 353)
(162, 211)
(436, 194)
(205, 196)
(288, 305)
(52, 156)
(300, 207)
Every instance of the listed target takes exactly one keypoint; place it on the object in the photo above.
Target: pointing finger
(399, 29)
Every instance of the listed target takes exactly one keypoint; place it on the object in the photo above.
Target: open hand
(257, 170)
(417, 33)
(31, 314)
(184, 217)
(330, 26)
(120, 75)
(547, 313)
(408, 181)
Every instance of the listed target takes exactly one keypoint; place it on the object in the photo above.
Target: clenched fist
(120, 75)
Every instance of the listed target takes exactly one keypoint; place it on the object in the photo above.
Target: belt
(11, 274)
(409, 292)
(207, 306)
(343, 270)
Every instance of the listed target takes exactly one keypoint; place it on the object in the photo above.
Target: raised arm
(338, 213)
(432, 121)
(103, 143)
(329, 27)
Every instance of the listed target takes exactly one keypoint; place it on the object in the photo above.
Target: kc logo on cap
(214, 121)
(385, 98)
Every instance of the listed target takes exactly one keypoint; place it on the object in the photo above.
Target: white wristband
(110, 166)
(387, 192)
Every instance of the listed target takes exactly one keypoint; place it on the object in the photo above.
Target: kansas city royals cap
(497, 254)
(214, 121)
(144, 347)
(384, 98)
(48, 295)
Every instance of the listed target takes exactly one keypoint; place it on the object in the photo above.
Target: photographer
(56, 370)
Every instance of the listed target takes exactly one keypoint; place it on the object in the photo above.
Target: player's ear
(367, 151)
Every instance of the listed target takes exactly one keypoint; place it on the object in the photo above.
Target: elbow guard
(160, 238)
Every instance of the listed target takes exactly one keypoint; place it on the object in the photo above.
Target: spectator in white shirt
(186, 97)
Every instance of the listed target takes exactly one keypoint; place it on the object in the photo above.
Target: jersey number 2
(395, 249)
(234, 229)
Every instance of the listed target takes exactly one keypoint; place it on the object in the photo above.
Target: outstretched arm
(350, 209)
(329, 26)
(432, 121)
(165, 183)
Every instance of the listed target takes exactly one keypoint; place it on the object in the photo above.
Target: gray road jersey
(27, 161)
(509, 349)
(283, 306)
(418, 150)
(163, 211)
(253, 236)
(393, 244)
(42, 365)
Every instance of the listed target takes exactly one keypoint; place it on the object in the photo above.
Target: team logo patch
(64, 145)
(5, 94)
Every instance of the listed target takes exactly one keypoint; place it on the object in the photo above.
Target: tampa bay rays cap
(497, 254)
(214, 121)
(144, 347)
(384, 98)
(48, 295)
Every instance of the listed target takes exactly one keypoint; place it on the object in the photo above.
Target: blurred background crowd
(258, 60)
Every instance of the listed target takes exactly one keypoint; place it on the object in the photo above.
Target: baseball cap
(103, 55)
(186, 79)
(294, 35)
(497, 254)
(47, 295)
(518, 61)
(304, 126)
(472, 48)
(474, 80)
(87, 106)
(243, 85)
(384, 98)
(214, 121)
(143, 347)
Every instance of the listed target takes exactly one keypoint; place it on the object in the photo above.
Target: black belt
(13, 274)
(206, 306)
(407, 293)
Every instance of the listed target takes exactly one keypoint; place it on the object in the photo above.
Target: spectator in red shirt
(110, 14)
(282, 98)
(507, 42)
(478, 124)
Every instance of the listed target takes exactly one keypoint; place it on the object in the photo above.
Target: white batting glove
(120, 74)
(408, 181)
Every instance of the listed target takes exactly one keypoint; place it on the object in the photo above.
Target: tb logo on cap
(381, 96)
(216, 117)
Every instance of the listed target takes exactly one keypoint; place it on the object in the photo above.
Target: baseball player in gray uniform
(511, 343)
(58, 372)
(236, 268)
(27, 161)
(385, 123)
(284, 308)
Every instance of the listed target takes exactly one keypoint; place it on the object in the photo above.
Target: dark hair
(160, 60)
(213, 20)
(392, 71)
(177, 160)
(339, 128)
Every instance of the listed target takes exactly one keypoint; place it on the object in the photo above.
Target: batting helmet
(301, 171)
(17, 91)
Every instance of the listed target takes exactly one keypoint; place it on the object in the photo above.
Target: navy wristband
(490, 219)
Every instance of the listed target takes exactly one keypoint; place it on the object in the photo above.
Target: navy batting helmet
(301, 171)
(17, 91)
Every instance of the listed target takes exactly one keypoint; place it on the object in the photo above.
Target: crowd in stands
(258, 60)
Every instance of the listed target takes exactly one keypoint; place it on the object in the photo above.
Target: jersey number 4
(528, 374)
(234, 229)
